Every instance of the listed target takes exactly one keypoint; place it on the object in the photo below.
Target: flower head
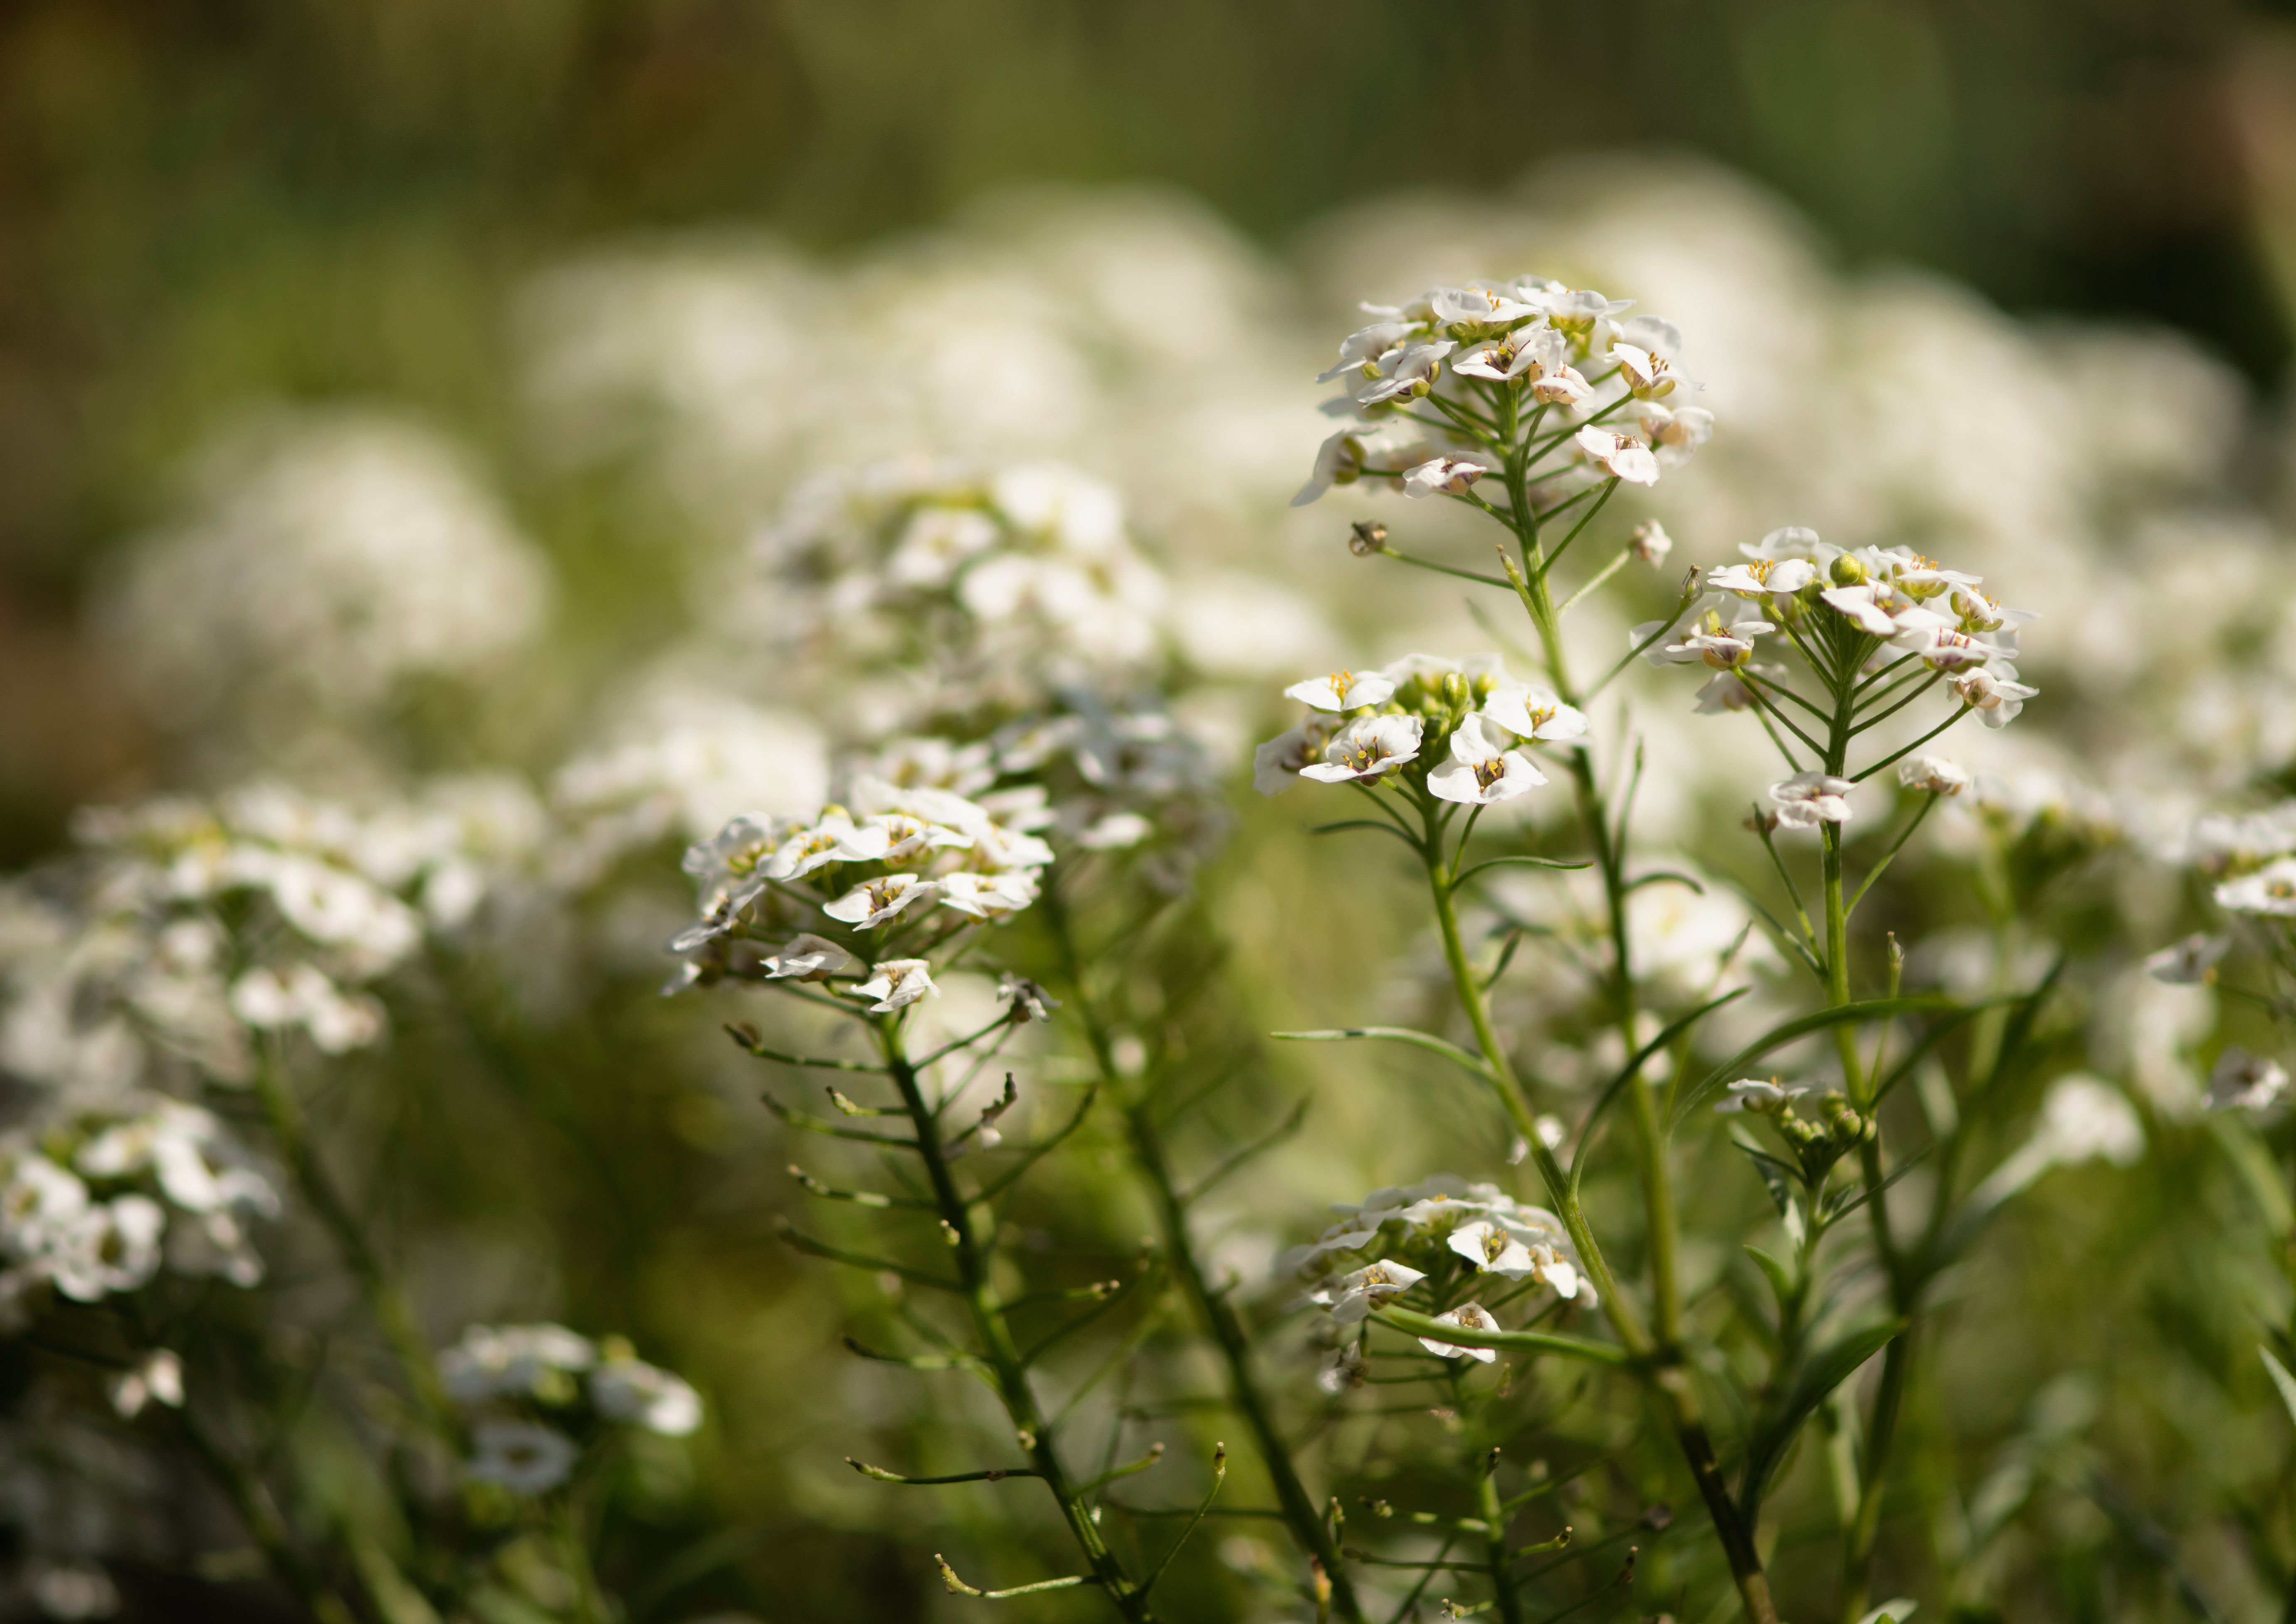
(1809, 799)
(809, 958)
(896, 983)
(1343, 690)
(1532, 712)
(1482, 772)
(629, 1389)
(1366, 748)
(1354, 1295)
(522, 1457)
(1993, 692)
(1761, 1096)
(2270, 891)
(1467, 1316)
(1933, 774)
(1622, 456)
(877, 901)
(1443, 477)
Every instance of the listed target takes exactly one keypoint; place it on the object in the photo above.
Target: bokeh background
(389, 389)
(211, 205)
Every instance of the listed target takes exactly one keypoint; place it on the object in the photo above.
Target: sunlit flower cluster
(1419, 1227)
(1435, 387)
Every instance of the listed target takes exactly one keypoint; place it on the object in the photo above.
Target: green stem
(999, 1352)
(386, 1299)
(1213, 1309)
(1495, 1546)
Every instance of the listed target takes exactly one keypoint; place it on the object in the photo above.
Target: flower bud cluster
(1431, 1225)
(1452, 725)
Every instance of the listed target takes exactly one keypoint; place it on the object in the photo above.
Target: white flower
(1761, 577)
(1809, 799)
(2271, 890)
(1354, 1295)
(1481, 772)
(1650, 543)
(2242, 1082)
(1941, 649)
(1362, 349)
(1994, 693)
(1725, 693)
(629, 1389)
(895, 983)
(1407, 375)
(1674, 433)
(515, 1361)
(271, 1000)
(113, 1247)
(1343, 690)
(872, 902)
(1277, 764)
(1476, 309)
(1511, 1248)
(1760, 1096)
(989, 896)
(1647, 377)
(809, 958)
(1622, 456)
(1343, 1368)
(2190, 962)
(39, 1206)
(1876, 608)
(1467, 1316)
(1533, 713)
(157, 1375)
(1709, 641)
(1792, 542)
(1442, 476)
(1339, 461)
(523, 1458)
(1933, 774)
(1365, 748)
(1024, 1000)
(1503, 359)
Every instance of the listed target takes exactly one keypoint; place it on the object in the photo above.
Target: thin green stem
(998, 1350)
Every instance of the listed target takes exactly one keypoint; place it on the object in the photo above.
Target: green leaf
(1780, 1279)
(1394, 1034)
(1524, 862)
(1416, 1323)
(1662, 876)
(1818, 1376)
(2252, 1160)
(1778, 1037)
(2281, 1379)
(1775, 1174)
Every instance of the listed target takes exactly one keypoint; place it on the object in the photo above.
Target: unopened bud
(1649, 542)
(1847, 570)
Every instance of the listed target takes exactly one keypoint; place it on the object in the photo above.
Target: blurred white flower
(515, 1361)
(629, 1389)
(1759, 1095)
(521, 1455)
(2242, 1082)
(158, 1375)
(1443, 477)
(809, 958)
(2191, 962)
(2270, 891)
(1933, 774)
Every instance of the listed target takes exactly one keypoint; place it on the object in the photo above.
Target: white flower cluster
(1917, 608)
(334, 555)
(1363, 724)
(137, 967)
(975, 579)
(1553, 348)
(1419, 1225)
(527, 1386)
(886, 860)
(93, 1206)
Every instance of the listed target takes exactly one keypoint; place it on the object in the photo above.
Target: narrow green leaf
(1775, 1434)
(1523, 862)
(1778, 1037)
(2281, 1379)
(1780, 1279)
